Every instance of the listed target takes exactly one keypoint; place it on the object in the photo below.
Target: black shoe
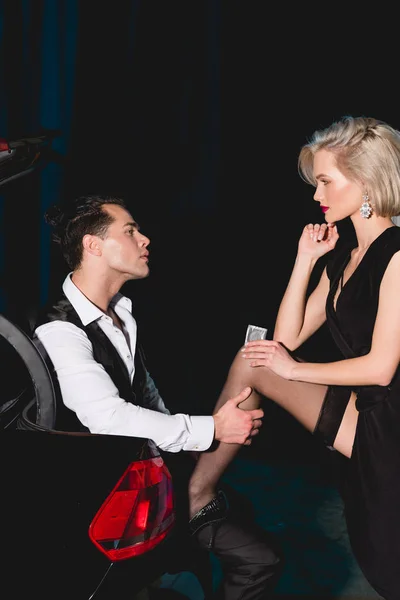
(250, 561)
(211, 514)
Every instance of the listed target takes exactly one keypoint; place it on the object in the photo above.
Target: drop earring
(366, 208)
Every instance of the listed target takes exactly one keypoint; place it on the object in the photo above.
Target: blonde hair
(367, 151)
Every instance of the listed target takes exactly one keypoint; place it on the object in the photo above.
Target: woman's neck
(367, 231)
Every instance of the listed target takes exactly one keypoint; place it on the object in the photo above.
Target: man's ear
(91, 243)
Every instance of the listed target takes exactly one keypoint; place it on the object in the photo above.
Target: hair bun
(54, 216)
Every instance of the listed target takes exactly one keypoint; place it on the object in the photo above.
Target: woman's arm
(297, 317)
(379, 365)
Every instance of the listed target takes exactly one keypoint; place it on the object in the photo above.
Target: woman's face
(338, 196)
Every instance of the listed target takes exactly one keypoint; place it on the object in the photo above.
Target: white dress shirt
(88, 390)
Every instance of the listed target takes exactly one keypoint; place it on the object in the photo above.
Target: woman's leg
(302, 400)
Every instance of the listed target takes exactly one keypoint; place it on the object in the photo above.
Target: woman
(352, 404)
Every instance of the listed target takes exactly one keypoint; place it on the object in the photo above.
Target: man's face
(124, 248)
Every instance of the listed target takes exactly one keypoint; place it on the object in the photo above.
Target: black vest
(105, 353)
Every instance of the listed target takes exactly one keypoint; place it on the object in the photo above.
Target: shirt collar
(87, 311)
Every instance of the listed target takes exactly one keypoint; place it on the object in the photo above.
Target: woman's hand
(271, 354)
(318, 239)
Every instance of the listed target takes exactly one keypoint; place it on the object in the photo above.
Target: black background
(195, 112)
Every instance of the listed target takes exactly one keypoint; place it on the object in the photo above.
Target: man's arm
(88, 390)
(152, 398)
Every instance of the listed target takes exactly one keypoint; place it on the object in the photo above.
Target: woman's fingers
(317, 231)
(260, 347)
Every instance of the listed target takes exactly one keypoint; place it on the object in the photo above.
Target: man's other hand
(233, 425)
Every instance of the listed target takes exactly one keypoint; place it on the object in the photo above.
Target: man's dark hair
(75, 219)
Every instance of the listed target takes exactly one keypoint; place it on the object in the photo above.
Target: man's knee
(251, 561)
(265, 560)
(246, 544)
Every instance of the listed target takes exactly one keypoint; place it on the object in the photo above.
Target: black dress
(371, 486)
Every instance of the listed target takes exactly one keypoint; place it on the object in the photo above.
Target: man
(91, 339)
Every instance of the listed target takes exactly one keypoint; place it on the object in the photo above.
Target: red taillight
(138, 513)
(4, 147)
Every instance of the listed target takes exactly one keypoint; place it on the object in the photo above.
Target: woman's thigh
(302, 400)
(345, 436)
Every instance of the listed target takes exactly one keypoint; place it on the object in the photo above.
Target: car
(84, 516)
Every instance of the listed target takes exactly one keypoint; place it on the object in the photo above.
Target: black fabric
(250, 564)
(250, 557)
(371, 485)
(331, 415)
(104, 353)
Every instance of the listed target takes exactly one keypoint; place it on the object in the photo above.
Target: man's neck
(99, 290)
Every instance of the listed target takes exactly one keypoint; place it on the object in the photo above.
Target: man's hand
(233, 425)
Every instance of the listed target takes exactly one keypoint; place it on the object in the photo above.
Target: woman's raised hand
(318, 239)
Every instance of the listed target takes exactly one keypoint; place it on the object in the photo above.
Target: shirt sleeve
(88, 390)
(152, 398)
